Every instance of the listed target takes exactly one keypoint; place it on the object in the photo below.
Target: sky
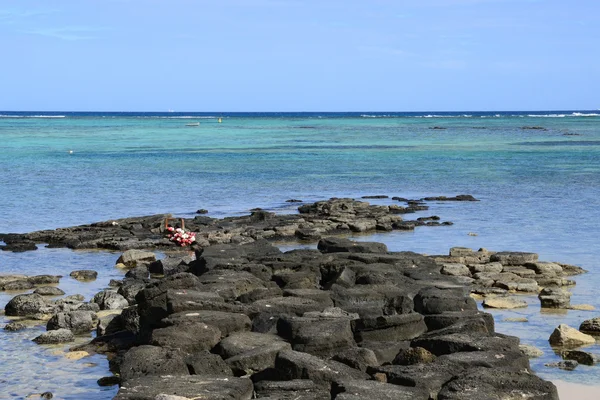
(299, 55)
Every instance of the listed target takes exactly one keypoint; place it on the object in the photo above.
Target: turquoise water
(539, 188)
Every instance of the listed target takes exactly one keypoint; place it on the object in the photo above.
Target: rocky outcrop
(566, 336)
(314, 221)
(310, 324)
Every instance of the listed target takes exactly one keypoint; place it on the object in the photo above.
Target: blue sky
(299, 55)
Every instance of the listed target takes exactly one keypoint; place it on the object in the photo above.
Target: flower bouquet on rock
(179, 236)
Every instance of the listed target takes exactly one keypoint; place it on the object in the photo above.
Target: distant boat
(193, 124)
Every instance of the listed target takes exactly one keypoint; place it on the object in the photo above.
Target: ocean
(536, 174)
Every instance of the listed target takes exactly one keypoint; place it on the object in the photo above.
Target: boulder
(25, 304)
(566, 336)
(591, 326)
(384, 351)
(581, 357)
(55, 337)
(467, 341)
(433, 300)
(110, 300)
(288, 305)
(18, 285)
(448, 318)
(44, 279)
(14, 326)
(78, 322)
(318, 336)
(554, 297)
(545, 268)
(133, 258)
(191, 387)
(84, 275)
(425, 376)
(257, 359)
(567, 365)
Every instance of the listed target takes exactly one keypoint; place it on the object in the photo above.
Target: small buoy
(70, 151)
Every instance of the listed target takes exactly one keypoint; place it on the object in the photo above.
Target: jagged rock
(192, 386)
(55, 337)
(545, 268)
(241, 342)
(84, 275)
(448, 318)
(257, 359)
(504, 302)
(566, 336)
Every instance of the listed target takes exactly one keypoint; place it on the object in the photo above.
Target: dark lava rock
(581, 357)
(414, 355)
(387, 328)
(481, 383)
(25, 304)
(206, 363)
(55, 337)
(460, 197)
(202, 211)
(590, 326)
(337, 245)
(568, 365)
(225, 322)
(84, 275)
(256, 360)
(151, 360)
(359, 358)
(44, 279)
(108, 381)
(434, 300)
(76, 321)
(192, 386)
(241, 342)
(189, 338)
(317, 336)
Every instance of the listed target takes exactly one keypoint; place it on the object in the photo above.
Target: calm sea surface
(539, 191)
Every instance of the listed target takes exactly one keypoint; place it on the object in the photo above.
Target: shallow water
(539, 191)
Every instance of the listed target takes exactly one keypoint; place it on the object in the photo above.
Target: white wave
(577, 114)
(547, 115)
(376, 116)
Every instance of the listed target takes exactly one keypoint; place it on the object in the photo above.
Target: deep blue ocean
(537, 174)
